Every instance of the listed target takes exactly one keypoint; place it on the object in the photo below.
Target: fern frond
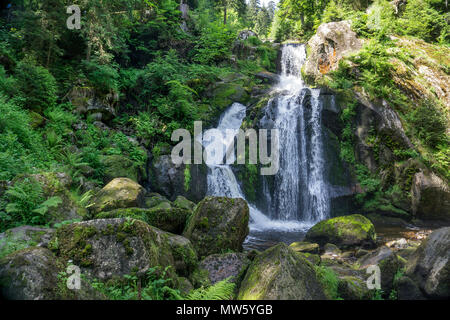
(222, 290)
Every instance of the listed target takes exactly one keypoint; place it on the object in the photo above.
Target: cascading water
(298, 196)
(300, 192)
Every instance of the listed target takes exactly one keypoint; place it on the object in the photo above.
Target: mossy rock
(314, 259)
(217, 225)
(304, 246)
(279, 273)
(353, 288)
(184, 255)
(23, 237)
(108, 248)
(183, 203)
(154, 199)
(119, 166)
(346, 231)
(119, 193)
(168, 219)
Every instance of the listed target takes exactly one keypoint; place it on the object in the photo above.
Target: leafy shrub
(155, 285)
(21, 147)
(26, 204)
(104, 78)
(428, 123)
(36, 85)
(214, 44)
(421, 20)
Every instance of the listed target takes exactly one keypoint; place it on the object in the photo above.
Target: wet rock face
(346, 231)
(331, 42)
(430, 265)
(218, 224)
(172, 180)
(223, 266)
(280, 274)
(430, 197)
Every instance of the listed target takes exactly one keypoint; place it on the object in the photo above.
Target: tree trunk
(225, 14)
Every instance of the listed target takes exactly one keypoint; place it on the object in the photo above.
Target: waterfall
(300, 192)
(299, 196)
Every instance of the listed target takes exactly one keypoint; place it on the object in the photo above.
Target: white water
(300, 191)
(300, 197)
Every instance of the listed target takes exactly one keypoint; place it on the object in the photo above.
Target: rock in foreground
(107, 248)
(280, 274)
(430, 266)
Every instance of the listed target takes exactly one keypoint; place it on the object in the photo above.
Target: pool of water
(262, 240)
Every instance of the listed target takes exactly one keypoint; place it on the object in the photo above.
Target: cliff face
(395, 119)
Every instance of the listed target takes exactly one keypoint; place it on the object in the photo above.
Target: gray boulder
(388, 263)
(429, 266)
(331, 42)
(430, 197)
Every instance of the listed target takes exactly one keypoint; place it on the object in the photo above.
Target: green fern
(222, 290)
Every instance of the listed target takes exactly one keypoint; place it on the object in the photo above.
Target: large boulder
(218, 224)
(23, 237)
(332, 41)
(35, 274)
(346, 231)
(279, 273)
(388, 263)
(223, 266)
(109, 248)
(430, 197)
(167, 219)
(119, 193)
(429, 266)
(29, 274)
